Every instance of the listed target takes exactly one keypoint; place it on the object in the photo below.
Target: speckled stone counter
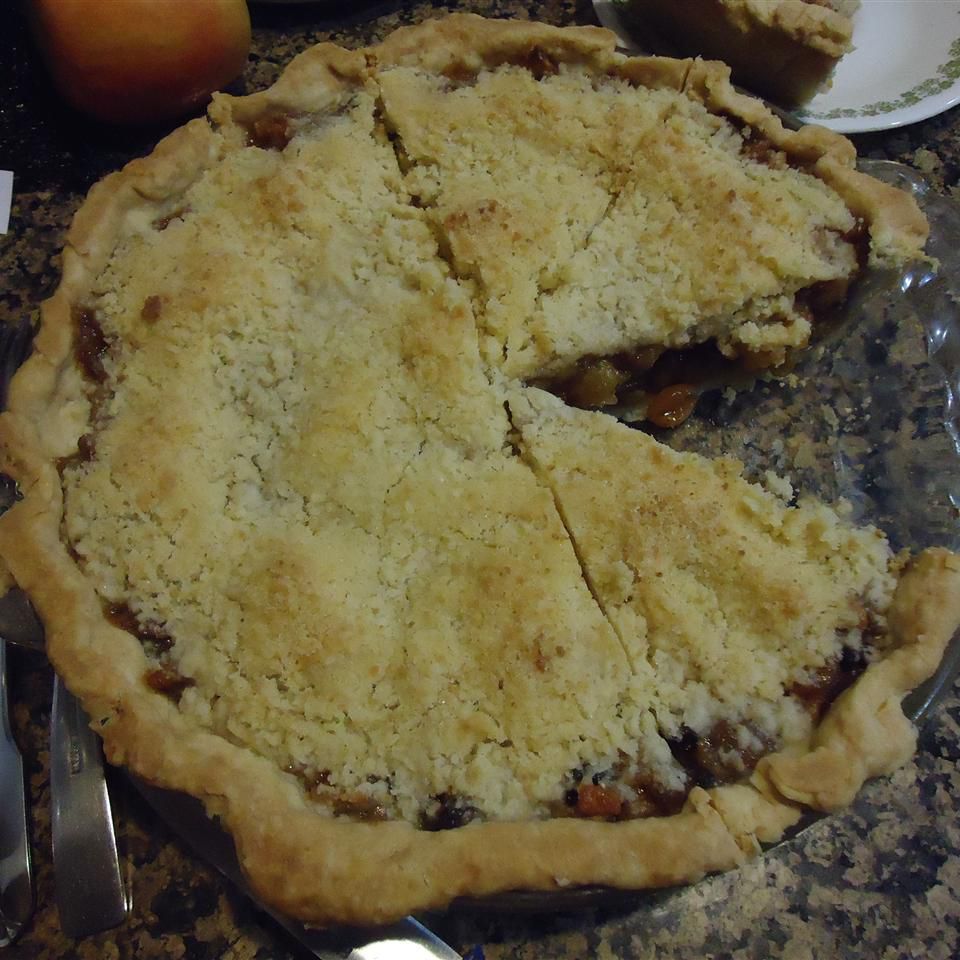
(880, 881)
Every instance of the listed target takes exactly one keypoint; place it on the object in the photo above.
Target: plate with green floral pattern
(905, 67)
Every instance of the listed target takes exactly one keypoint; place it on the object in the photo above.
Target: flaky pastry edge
(325, 870)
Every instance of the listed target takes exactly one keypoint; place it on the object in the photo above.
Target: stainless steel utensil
(89, 887)
(88, 883)
(409, 940)
(16, 887)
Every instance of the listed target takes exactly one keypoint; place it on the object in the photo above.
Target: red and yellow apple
(141, 61)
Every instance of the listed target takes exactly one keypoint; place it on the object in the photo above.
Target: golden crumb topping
(303, 490)
(729, 606)
(303, 475)
(594, 179)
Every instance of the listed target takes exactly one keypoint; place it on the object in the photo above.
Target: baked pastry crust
(326, 869)
(782, 49)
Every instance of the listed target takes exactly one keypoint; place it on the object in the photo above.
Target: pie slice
(754, 615)
(550, 179)
(782, 49)
(310, 547)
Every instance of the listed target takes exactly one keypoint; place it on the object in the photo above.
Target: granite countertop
(879, 881)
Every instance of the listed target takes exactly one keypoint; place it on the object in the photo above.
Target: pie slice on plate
(782, 49)
(312, 546)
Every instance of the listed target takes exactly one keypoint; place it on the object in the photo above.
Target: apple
(141, 61)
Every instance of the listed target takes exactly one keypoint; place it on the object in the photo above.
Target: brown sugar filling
(716, 757)
(317, 786)
(164, 677)
(161, 223)
(534, 59)
(167, 680)
(151, 634)
(670, 381)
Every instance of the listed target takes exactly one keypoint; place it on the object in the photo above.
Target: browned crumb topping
(151, 309)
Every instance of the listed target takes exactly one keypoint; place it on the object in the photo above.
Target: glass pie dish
(868, 415)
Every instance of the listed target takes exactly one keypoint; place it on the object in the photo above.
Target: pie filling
(662, 385)
(370, 527)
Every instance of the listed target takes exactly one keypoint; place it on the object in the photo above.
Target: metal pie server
(88, 883)
(16, 885)
(409, 940)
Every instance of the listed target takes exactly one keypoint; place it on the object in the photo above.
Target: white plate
(905, 65)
